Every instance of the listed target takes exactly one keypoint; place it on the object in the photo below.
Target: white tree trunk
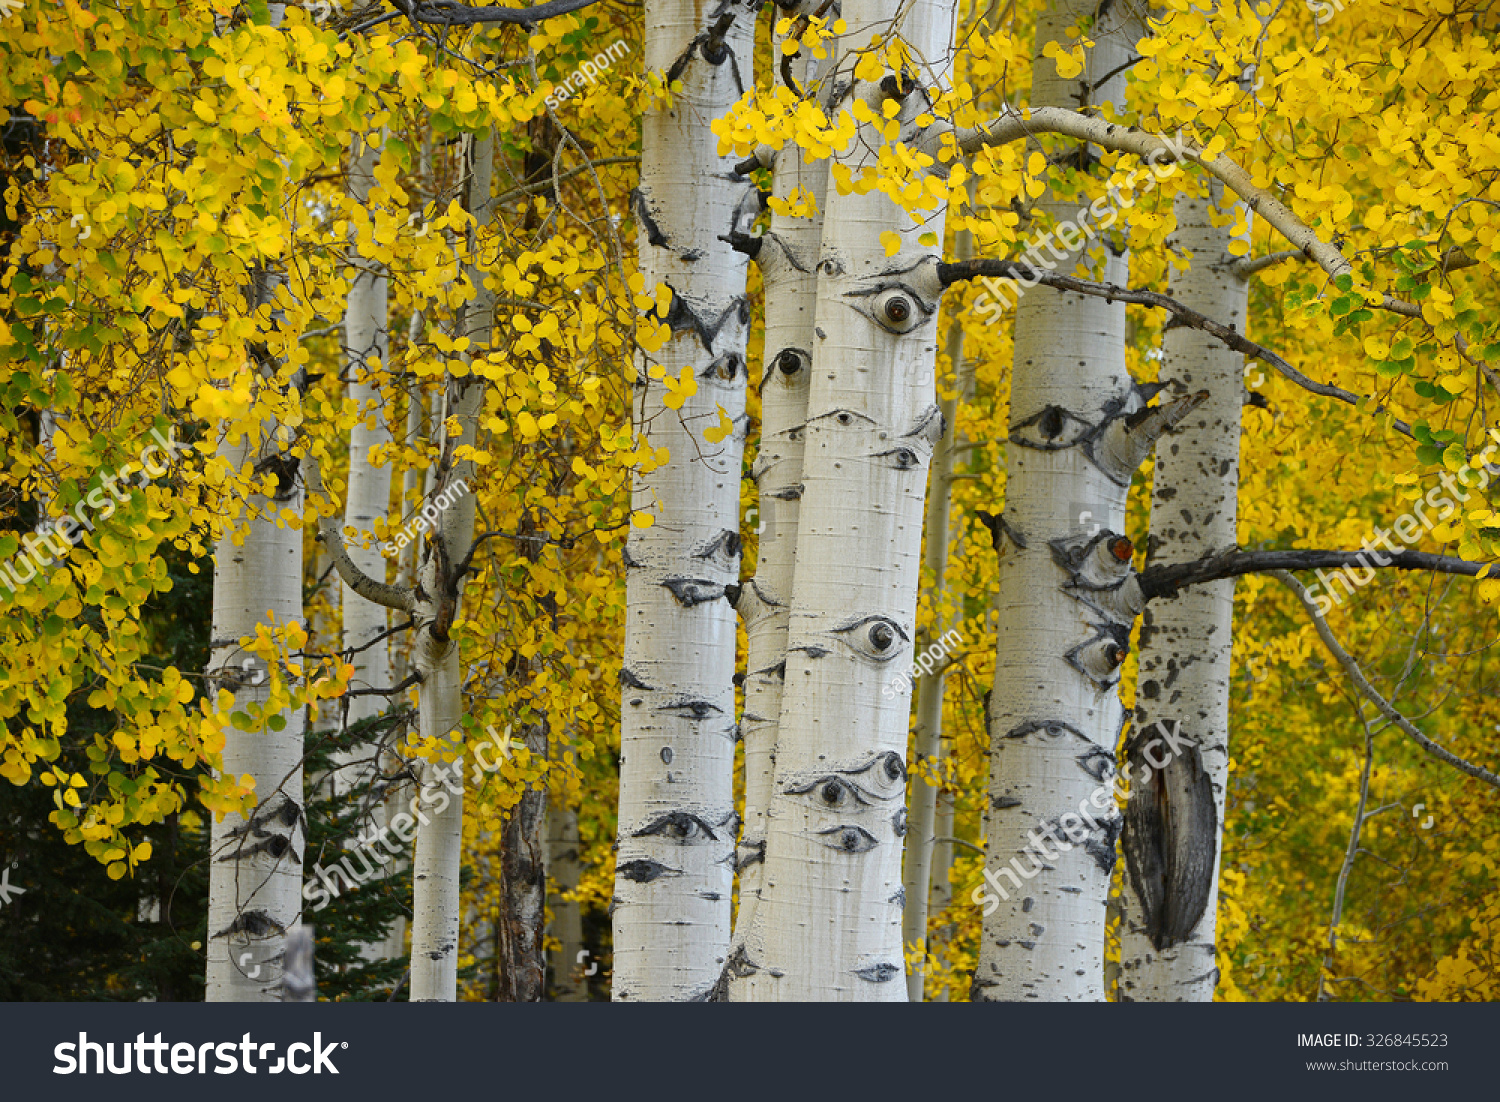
(366, 340)
(928, 736)
(828, 923)
(255, 869)
(788, 261)
(438, 852)
(677, 823)
(368, 497)
(569, 984)
(1055, 715)
(1174, 820)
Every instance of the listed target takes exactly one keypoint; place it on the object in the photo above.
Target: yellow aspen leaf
(715, 433)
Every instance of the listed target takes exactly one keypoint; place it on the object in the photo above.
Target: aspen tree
(677, 820)
(828, 921)
(1174, 818)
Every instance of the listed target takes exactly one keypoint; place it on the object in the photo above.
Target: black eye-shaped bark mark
(834, 793)
(644, 871)
(726, 546)
(789, 493)
(792, 364)
(899, 899)
(682, 316)
(1101, 657)
(894, 306)
(690, 709)
(629, 679)
(1000, 530)
(1100, 561)
(641, 207)
(930, 426)
(1101, 843)
(1053, 429)
(848, 839)
(693, 591)
(878, 638)
(627, 558)
(886, 768)
(898, 823)
(681, 827)
(727, 370)
(1097, 763)
(755, 853)
(1053, 728)
(811, 650)
(883, 972)
(843, 417)
(903, 459)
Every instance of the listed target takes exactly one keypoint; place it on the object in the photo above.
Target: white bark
(438, 851)
(928, 735)
(255, 870)
(366, 350)
(366, 341)
(788, 261)
(1055, 714)
(677, 823)
(828, 923)
(1174, 820)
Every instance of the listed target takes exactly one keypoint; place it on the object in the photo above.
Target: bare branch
(1357, 677)
(447, 14)
(1015, 125)
(1025, 273)
(332, 537)
(1166, 580)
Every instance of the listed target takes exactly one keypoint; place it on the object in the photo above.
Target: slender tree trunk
(569, 984)
(828, 922)
(366, 349)
(788, 261)
(255, 866)
(438, 852)
(942, 889)
(677, 823)
(928, 736)
(1055, 714)
(1175, 815)
(255, 869)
